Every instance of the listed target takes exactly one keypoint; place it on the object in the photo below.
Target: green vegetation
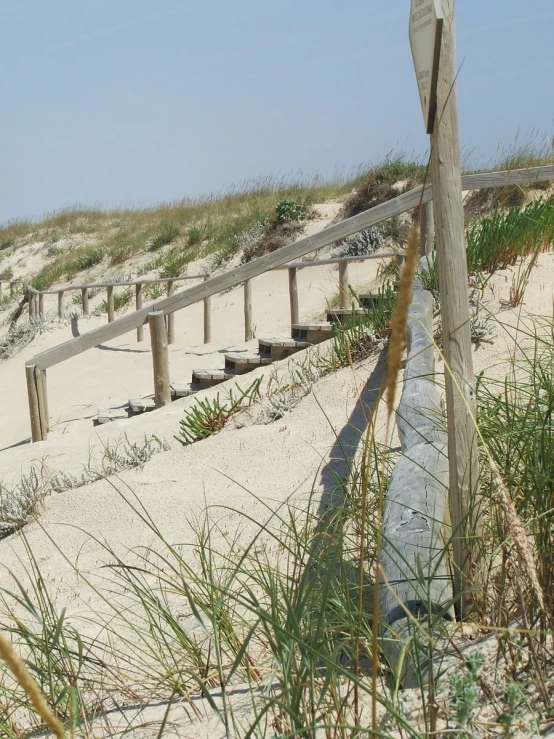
(503, 239)
(207, 417)
(121, 300)
(516, 419)
(288, 210)
(168, 232)
(499, 240)
(66, 266)
(211, 225)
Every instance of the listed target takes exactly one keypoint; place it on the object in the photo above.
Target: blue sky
(132, 102)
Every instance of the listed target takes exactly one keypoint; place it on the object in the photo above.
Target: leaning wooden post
(248, 321)
(30, 296)
(170, 316)
(207, 316)
(453, 284)
(343, 284)
(61, 312)
(111, 305)
(160, 358)
(427, 229)
(293, 295)
(84, 296)
(41, 305)
(35, 410)
(138, 306)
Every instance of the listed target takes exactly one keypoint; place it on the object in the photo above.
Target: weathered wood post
(293, 295)
(138, 306)
(248, 320)
(160, 358)
(207, 316)
(35, 393)
(1, 288)
(30, 296)
(111, 305)
(344, 292)
(417, 584)
(427, 229)
(84, 300)
(12, 288)
(61, 311)
(41, 305)
(455, 312)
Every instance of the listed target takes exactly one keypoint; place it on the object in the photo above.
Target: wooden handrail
(384, 211)
(280, 258)
(337, 260)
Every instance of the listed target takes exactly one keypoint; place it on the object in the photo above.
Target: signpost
(432, 36)
(426, 22)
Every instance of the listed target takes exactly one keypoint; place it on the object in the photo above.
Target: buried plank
(416, 588)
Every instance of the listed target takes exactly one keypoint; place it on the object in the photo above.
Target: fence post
(12, 289)
(138, 306)
(30, 295)
(248, 326)
(41, 305)
(427, 231)
(170, 316)
(1, 288)
(160, 358)
(36, 405)
(343, 284)
(207, 316)
(61, 312)
(111, 309)
(465, 504)
(84, 295)
(293, 294)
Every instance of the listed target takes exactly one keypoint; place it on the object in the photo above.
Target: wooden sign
(426, 21)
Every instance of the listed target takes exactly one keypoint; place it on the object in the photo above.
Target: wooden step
(182, 390)
(103, 416)
(343, 315)
(141, 405)
(240, 364)
(276, 349)
(312, 333)
(203, 378)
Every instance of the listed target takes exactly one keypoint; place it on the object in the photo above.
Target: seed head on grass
(25, 679)
(400, 319)
(516, 529)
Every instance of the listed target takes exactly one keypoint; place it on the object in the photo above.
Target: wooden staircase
(239, 363)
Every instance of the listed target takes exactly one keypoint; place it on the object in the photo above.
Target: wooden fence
(36, 299)
(37, 366)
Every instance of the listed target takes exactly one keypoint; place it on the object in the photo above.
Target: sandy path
(108, 375)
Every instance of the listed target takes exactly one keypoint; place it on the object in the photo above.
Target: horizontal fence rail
(37, 296)
(282, 258)
(123, 283)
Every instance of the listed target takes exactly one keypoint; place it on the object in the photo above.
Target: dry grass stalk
(516, 529)
(400, 319)
(25, 679)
